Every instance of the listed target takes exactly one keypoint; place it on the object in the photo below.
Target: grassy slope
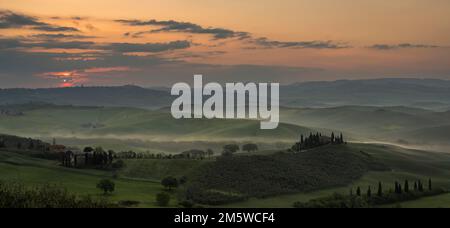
(406, 164)
(382, 123)
(159, 169)
(442, 201)
(135, 124)
(269, 175)
(31, 171)
(139, 179)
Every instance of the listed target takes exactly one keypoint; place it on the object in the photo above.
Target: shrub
(13, 195)
(162, 199)
(169, 183)
(107, 186)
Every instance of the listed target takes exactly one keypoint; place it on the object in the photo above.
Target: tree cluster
(317, 140)
(402, 193)
(97, 158)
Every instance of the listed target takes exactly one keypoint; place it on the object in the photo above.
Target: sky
(64, 43)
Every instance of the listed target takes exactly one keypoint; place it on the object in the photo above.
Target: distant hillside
(412, 125)
(124, 96)
(14, 143)
(429, 94)
(132, 123)
(431, 135)
(426, 93)
(133, 126)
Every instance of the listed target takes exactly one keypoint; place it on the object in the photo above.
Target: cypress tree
(369, 192)
(406, 186)
(420, 186)
(358, 191)
(380, 189)
(430, 187)
(396, 188)
(415, 186)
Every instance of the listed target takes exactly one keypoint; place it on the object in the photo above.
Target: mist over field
(389, 115)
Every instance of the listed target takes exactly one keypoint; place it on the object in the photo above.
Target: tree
(369, 192)
(88, 149)
(250, 147)
(210, 153)
(358, 191)
(233, 148)
(420, 186)
(380, 189)
(183, 180)
(107, 186)
(169, 183)
(406, 186)
(430, 186)
(31, 145)
(162, 199)
(416, 187)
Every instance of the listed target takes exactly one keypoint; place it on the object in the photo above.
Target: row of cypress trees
(399, 188)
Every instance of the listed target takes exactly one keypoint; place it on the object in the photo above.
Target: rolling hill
(122, 96)
(404, 164)
(117, 125)
(141, 129)
(391, 124)
(256, 180)
(32, 172)
(420, 93)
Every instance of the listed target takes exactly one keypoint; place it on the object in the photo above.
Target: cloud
(14, 43)
(9, 19)
(222, 33)
(47, 36)
(8, 43)
(401, 46)
(185, 27)
(54, 28)
(147, 47)
(39, 69)
(266, 43)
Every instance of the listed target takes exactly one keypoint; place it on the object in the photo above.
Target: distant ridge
(431, 94)
(423, 93)
(127, 96)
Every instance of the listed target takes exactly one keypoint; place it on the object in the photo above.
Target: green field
(36, 172)
(140, 180)
(405, 164)
(442, 201)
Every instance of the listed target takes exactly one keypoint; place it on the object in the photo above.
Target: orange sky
(355, 24)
